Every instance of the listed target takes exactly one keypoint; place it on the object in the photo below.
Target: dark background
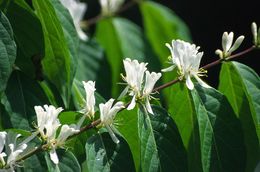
(207, 21)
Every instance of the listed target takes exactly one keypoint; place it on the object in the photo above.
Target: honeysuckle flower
(48, 124)
(65, 132)
(187, 59)
(107, 115)
(110, 7)
(90, 97)
(150, 80)
(13, 152)
(47, 121)
(2, 144)
(134, 78)
(227, 40)
(256, 34)
(89, 109)
(77, 10)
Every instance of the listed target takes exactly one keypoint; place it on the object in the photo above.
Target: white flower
(47, 120)
(77, 10)
(187, 59)
(151, 79)
(134, 79)
(2, 144)
(65, 132)
(107, 115)
(48, 124)
(110, 7)
(227, 40)
(13, 152)
(89, 109)
(90, 97)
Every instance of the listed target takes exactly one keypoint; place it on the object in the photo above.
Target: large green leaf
(161, 26)
(161, 145)
(29, 37)
(21, 95)
(241, 85)
(67, 162)
(7, 51)
(120, 39)
(182, 110)
(59, 62)
(105, 155)
(128, 127)
(221, 137)
(94, 66)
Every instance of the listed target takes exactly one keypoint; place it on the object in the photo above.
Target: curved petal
(112, 134)
(189, 82)
(132, 104)
(54, 156)
(202, 83)
(148, 106)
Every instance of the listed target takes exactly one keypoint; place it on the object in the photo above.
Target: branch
(168, 84)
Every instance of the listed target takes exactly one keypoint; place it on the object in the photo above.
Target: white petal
(168, 69)
(90, 96)
(112, 134)
(65, 132)
(254, 32)
(54, 156)
(124, 92)
(237, 44)
(2, 140)
(227, 40)
(150, 80)
(202, 83)
(132, 104)
(148, 106)
(189, 82)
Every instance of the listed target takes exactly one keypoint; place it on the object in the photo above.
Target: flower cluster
(12, 151)
(227, 40)
(186, 58)
(134, 78)
(48, 124)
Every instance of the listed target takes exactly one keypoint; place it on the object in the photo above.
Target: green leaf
(161, 25)
(241, 85)
(128, 127)
(29, 37)
(7, 51)
(161, 145)
(21, 95)
(221, 137)
(67, 162)
(128, 42)
(92, 65)
(105, 155)
(58, 53)
(182, 110)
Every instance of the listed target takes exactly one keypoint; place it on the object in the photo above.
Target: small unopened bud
(237, 43)
(219, 53)
(254, 32)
